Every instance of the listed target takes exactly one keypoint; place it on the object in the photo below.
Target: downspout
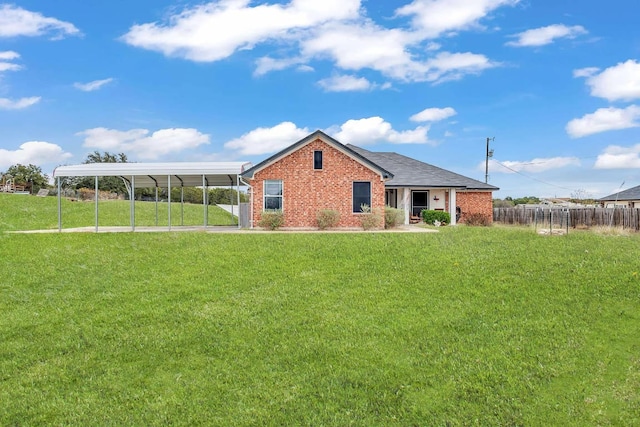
(250, 202)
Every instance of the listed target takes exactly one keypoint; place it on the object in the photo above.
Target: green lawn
(468, 326)
(19, 212)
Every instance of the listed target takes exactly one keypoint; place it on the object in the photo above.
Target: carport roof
(189, 174)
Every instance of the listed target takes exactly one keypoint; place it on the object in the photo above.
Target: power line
(532, 178)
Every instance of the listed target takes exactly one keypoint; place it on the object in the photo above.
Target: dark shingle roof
(408, 172)
(630, 194)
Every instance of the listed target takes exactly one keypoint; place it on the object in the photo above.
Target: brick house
(318, 172)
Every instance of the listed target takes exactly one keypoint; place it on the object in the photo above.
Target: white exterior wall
(452, 205)
(404, 201)
(437, 204)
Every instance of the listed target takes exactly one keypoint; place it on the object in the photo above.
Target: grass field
(19, 212)
(468, 326)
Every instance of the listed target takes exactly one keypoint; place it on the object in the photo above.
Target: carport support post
(59, 205)
(238, 197)
(156, 204)
(132, 198)
(204, 201)
(169, 200)
(96, 185)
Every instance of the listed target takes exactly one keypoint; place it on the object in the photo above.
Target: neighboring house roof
(408, 172)
(327, 139)
(630, 194)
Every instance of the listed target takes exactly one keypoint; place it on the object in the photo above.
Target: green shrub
(393, 217)
(477, 219)
(430, 217)
(271, 220)
(327, 218)
(370, 220)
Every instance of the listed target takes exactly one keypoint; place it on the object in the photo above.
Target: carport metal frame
(204, 174)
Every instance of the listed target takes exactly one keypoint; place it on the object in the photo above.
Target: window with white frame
(273, 195)
(361, 195)
(317, 160)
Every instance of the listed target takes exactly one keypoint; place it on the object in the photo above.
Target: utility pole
(486, 164)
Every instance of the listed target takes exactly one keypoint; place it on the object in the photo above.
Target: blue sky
(557, 83)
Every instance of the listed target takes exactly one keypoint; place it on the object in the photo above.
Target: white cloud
(337, 30)
(617, 157)
(367, 131)
(216, 30)
(532, 166)
(375, 129)
(91, 86)
(143, 144)
(33, 152)
(448, 66)
(618, 83)
(585, 72)
(434, 18)
(433, 114)
(354, 47)
(18, 104)
(15, 21)
(546, 35)
(267, 64)
(604, 119)
(345, 83)
(267, 140)
(305, 68)
(7, 56)
(8, 66)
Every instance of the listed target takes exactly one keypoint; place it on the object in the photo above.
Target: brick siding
(306, 191)
(471, 202)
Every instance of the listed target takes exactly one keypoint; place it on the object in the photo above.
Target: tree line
(32, 175)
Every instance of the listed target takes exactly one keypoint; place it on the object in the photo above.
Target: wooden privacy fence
(576, 217)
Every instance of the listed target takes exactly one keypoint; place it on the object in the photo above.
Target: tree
(107, 157)
(30, 174)
(581, 196)
(528, 200)
(506, 203)
(113, 184)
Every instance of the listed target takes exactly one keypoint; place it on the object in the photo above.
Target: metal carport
(158, 175)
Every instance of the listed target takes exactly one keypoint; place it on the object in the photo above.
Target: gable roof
(408, 172)
(328, 140)
(630, 194)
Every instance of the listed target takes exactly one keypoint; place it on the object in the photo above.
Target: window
(361, 195)
(317, 160)
(273, 195)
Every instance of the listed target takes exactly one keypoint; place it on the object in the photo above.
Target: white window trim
(352, 194)
(314, 160)
(264, 194)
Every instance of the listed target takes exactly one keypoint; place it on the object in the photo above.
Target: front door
(419, 201)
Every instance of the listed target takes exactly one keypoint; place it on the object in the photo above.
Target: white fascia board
(146, 169)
